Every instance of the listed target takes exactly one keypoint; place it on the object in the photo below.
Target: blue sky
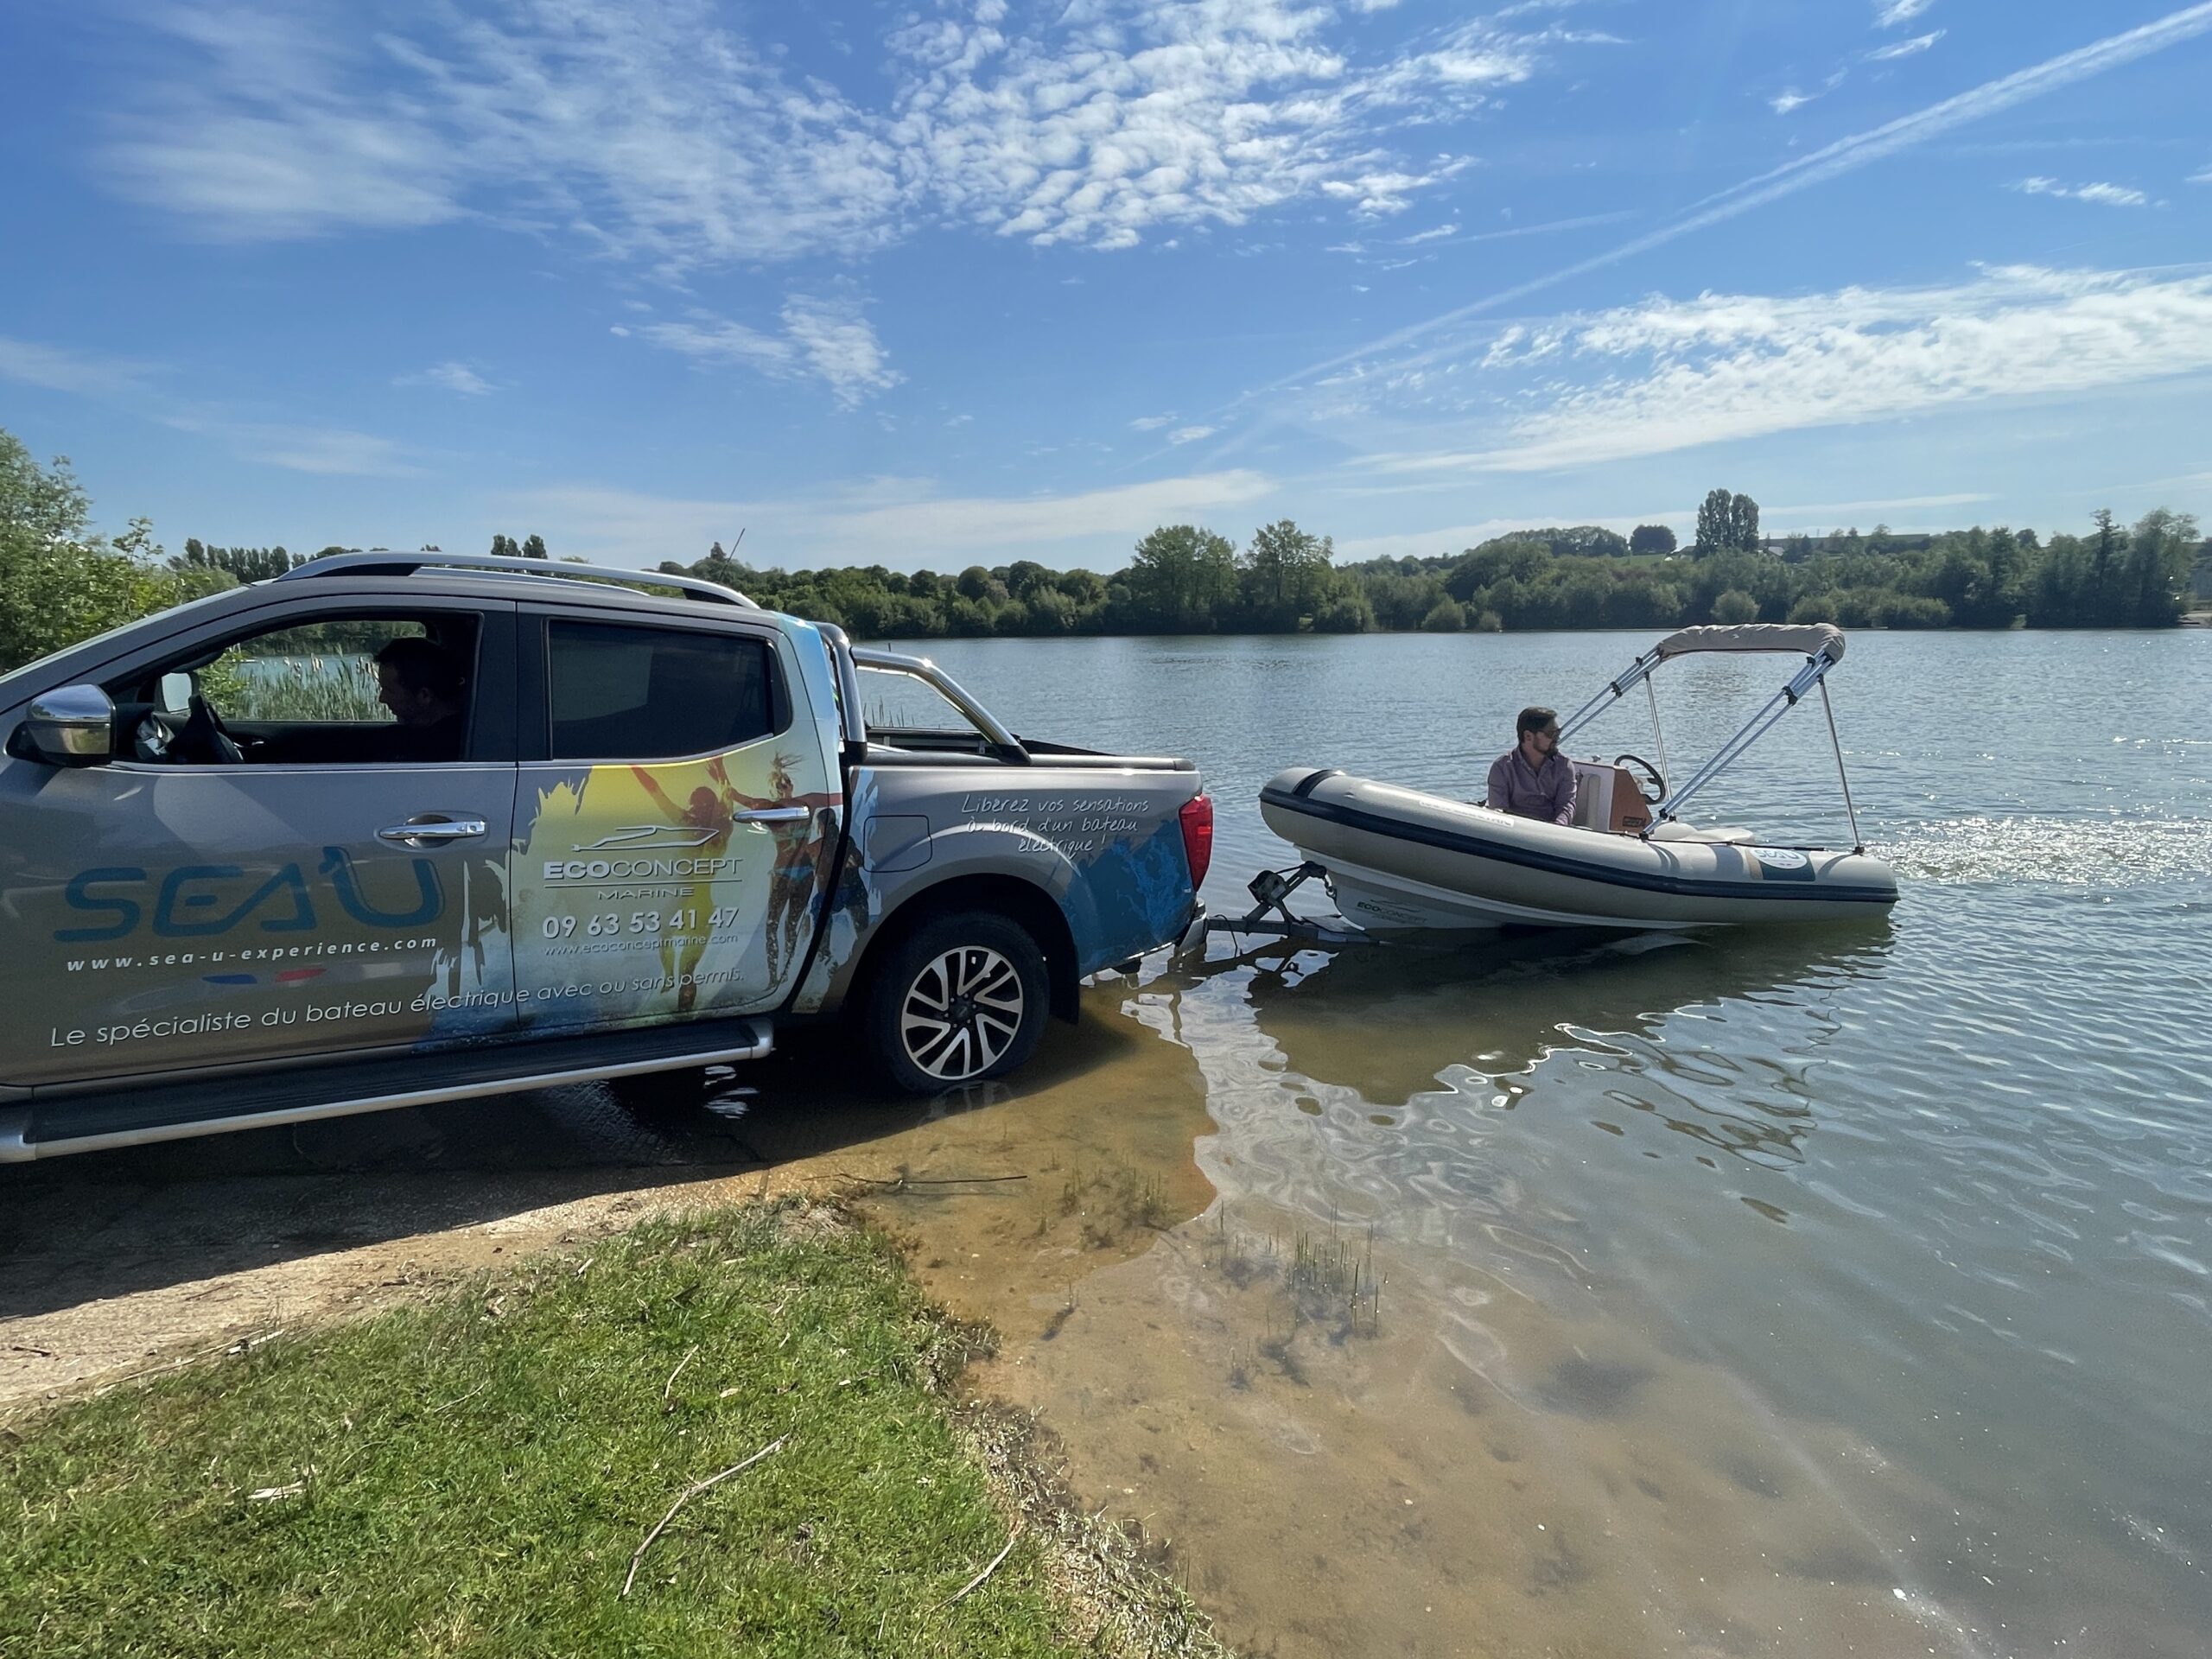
(941, 285)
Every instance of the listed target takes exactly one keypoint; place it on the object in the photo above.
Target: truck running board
(45, 1128)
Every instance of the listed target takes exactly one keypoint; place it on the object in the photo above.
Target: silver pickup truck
(399, 828)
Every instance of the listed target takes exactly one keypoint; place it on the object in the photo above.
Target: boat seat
(1719, 834)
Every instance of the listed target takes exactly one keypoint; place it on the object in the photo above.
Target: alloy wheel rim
(961, 1012)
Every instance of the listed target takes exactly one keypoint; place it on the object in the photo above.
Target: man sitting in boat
(1533, 779)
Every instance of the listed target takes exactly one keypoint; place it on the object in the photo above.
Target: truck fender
(998, 868)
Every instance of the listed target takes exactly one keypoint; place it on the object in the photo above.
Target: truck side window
(341, 689)
(624, 693)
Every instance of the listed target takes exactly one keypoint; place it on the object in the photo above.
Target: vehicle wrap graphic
(644, 891)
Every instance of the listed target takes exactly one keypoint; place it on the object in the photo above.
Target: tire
(961, 999)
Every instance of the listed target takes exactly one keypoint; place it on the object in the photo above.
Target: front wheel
(961, 999)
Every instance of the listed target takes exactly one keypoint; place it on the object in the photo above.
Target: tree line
(1186, 579)
(60, 582)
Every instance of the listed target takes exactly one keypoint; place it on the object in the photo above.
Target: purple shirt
(1545, 792)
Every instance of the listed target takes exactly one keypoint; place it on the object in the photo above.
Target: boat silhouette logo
(638, 837)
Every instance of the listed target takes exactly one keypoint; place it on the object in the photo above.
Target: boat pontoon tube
(1402, 861)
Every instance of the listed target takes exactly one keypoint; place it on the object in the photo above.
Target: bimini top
(1809, 639)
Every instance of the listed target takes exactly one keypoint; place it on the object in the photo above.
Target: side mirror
(72, 726)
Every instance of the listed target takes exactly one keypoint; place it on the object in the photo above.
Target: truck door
(271, 865)
(676, 819)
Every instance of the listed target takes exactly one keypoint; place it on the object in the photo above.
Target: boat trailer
(1271, 916)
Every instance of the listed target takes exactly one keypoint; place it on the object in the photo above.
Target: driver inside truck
(422, 684)
(1533, 779)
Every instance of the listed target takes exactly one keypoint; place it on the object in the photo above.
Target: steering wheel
(204, 736)
(1656, 789)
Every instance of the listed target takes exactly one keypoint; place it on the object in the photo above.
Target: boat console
(1608, 798)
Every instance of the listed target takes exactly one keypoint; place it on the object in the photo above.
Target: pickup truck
(395, 829)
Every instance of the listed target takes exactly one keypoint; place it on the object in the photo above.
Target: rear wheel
(961, 999)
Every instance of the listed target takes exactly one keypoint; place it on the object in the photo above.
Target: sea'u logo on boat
(1785, 861)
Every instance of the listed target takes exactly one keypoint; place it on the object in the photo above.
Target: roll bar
(944, 684)
(851, 721)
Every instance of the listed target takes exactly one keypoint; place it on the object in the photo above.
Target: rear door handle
(435, 829)
(774, 814)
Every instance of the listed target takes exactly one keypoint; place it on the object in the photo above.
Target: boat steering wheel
(1657, 790)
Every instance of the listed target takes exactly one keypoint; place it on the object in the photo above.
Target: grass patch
(474, 1475)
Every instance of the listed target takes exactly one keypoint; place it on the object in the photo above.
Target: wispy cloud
(1437, 234)
(655, 131)
(1673, 374)
(2203, 177)
(630, 528)
(1151, 423)
(1832, 160)
(1190, 433)
(447, 377)
(325, 452)
(1888, 13)
(1897, 49)
(646, 130)
(138, 388)
(827, 338)
(1789, 98)
(52, 368)
(2107, 195)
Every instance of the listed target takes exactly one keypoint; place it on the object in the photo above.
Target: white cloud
(447, 377)
(827, 338)
(1905, 48)
(1888, 13)
(835, 338)
(655, 131)
(1190, 433)
(647, 131)
(1789, 98)
(2108, 195)
(2205, 177)
(1832, 160)
(895, 516)
(1122, 115)
(1151, 423)
(1733, 366)
(1437, 234)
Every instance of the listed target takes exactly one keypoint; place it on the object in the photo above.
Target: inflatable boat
(1401, 861)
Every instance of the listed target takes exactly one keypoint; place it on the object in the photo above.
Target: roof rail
(382, 563)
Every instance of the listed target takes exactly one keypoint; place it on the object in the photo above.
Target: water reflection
(1389, 1024)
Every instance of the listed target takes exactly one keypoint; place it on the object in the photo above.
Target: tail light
(1197, 817)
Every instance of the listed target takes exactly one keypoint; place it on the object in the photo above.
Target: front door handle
(774, 814)
(420, 830)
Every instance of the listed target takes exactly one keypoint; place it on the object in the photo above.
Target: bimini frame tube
(1782, 702)
(1637, 672)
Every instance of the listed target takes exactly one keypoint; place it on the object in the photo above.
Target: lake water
(1822, 1291)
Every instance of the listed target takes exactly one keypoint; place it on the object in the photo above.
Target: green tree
(242, 563)
(1715, 523)
(503, 547)
(60, 582)
(1286, 574)
(1182, 578)
(534, 547)
(1743, 524)
(1735, 606)
(1651, 538)
(1446, 616)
